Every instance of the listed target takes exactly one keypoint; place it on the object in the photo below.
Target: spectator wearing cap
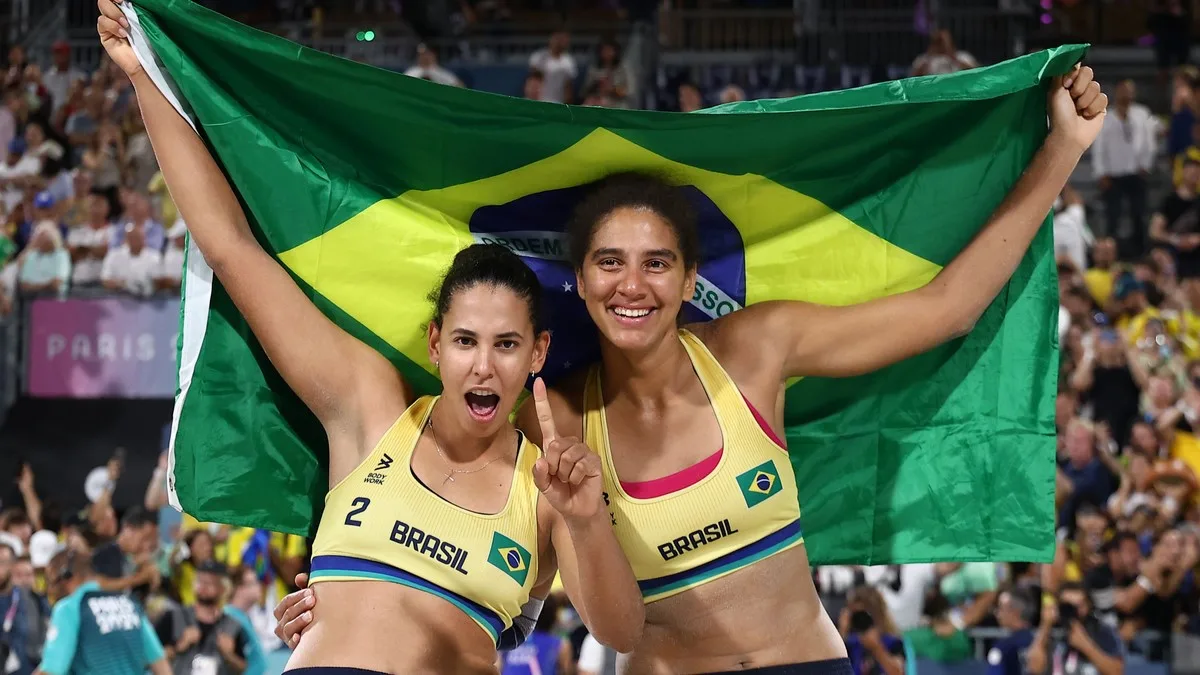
(428, 68)
(132, 267)
(61, 75)
(170, 275)
(95, 631)
(42, 547)
(46, 265)
(44, 211)
(206, 639)
(89, 241)
(18, 172)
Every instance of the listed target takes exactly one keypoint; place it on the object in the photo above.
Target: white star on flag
(567, 287)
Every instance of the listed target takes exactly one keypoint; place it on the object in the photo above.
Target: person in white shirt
(17, 173)
(170, 275)
(89, 242)
(133, 266)
(558, 69)
(427, 68)
(39, 146)
(61, 76)
(1072, 237)
(1121, 159)
(596, 659)
(942, 57)
(903, 589)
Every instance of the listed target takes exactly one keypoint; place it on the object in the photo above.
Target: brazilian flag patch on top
(509, 557)
(759, 483)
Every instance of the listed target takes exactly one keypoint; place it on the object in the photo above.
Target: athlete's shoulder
(746, 343)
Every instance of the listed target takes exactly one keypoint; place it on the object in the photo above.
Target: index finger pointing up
(545, 417)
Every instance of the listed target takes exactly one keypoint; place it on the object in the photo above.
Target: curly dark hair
(633, 190)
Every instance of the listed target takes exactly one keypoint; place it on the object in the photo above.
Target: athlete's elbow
(624, 632)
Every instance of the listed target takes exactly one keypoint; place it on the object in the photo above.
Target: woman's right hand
(293, 614)
(112, 26)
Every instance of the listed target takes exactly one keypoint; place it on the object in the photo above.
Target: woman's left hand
(1077, 107)
(569, 472)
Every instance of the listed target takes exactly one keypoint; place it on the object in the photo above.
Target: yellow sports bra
(744, 510)
(381, 523)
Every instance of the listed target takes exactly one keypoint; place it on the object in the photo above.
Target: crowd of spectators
(85, 210)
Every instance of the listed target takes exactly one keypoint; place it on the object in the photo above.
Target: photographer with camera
(872, 641)
(1071, 639)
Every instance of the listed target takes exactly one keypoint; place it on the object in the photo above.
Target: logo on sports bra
(509, 557)
(375, 477)
(759, 483)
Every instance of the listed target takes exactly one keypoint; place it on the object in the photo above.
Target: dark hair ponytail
(493, 265)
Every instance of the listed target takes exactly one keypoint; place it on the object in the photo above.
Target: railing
(729, 30)
(27, 19)
(835, 34)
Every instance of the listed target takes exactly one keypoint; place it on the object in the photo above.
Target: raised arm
(335, 375)
(594, 570)
(809, 339)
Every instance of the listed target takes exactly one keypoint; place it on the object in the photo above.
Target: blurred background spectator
(87, 218)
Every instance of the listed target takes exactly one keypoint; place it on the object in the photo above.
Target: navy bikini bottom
(331, 670)
(830, 667)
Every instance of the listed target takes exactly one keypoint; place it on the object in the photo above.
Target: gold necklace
(451, 471)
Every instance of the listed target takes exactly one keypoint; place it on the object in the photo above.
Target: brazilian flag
(364, 183)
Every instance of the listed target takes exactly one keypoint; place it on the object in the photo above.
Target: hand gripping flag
(364, 183)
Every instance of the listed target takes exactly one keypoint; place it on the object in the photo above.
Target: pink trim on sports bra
(684, 478)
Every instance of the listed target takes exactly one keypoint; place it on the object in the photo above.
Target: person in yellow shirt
(200, 545)
(1099, 277)
(158, 190)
